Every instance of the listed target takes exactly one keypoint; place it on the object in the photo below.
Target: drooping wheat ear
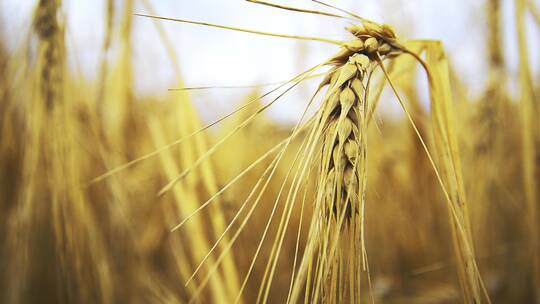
(342, 139)
(343, 117)
(337, 238)
(343, 157)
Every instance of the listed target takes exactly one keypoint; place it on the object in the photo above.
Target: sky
(214, 57)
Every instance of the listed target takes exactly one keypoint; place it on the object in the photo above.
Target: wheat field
(378, 173)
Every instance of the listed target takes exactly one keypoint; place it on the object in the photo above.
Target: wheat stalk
(53, 220)
(530, 137)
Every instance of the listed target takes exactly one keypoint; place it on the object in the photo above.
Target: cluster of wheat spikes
(293, 217)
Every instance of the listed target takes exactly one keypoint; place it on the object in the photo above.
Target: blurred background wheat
(89, 88)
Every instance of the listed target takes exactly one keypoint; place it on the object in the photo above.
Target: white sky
(210, 56)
